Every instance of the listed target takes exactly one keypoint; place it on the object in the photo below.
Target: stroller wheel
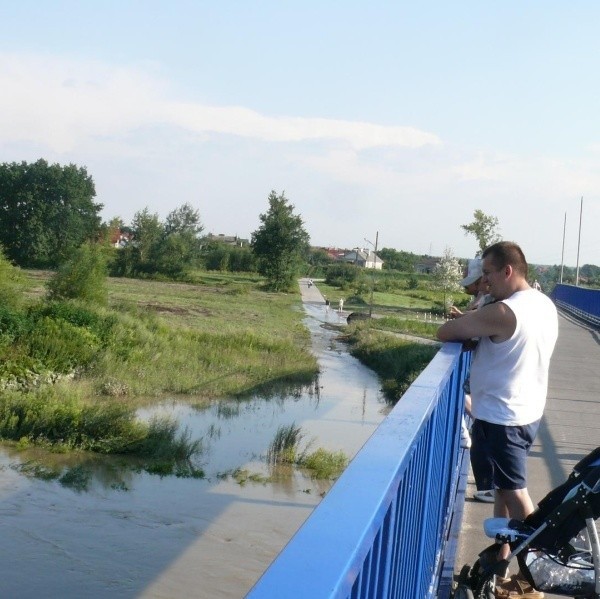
(462, 591)
(465, 574)
(485, 588)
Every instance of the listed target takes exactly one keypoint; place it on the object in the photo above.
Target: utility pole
(562, 258)
(373, 277)
(579, 243)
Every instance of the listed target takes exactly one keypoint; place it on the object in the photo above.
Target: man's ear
(508, 271)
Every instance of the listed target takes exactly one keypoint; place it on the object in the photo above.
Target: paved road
(569, 430)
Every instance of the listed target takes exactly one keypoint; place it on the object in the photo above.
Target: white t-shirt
(509, 380)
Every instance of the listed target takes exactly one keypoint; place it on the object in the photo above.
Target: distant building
(228, 239)
(426, 264)
(120, 238)
(334, 253)
(363, 258)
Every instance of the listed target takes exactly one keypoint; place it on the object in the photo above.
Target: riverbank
(73, 374)
(129, 534)
(396, 357)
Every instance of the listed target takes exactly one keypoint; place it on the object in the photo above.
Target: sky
(391, 120)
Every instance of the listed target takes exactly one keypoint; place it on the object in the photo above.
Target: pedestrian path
(570, 429)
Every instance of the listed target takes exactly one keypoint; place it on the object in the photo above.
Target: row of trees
(48, 211)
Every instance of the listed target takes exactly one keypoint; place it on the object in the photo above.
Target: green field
(73, 374)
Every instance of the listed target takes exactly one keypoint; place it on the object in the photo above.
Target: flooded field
(106, 528)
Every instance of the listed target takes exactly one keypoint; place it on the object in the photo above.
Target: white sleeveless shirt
(509, 380)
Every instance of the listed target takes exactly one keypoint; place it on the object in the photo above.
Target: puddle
(103, 527)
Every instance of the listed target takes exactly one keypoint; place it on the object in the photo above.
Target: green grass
(325, 464)
(285, 446)
(285, 449)
(408, 326)
(397, 362)
(222, 335)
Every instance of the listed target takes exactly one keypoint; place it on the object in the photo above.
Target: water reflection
(118, 527)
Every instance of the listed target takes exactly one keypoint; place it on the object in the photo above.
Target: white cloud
(146, 148)
(60, 103)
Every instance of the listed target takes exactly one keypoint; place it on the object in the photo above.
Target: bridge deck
(570, 429)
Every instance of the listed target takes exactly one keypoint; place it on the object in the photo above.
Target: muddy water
(112, 530)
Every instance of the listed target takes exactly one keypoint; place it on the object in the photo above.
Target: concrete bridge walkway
(569, 430)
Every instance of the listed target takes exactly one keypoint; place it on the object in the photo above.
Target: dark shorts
(499, 454)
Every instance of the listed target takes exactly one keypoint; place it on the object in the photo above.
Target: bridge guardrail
(579, 301)
(382, 529)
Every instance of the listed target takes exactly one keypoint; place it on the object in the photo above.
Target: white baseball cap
(474, 272)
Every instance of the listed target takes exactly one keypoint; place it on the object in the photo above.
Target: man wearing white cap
(473, 286)
(483, 469)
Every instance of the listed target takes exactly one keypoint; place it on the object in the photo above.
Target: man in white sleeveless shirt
(509, 371)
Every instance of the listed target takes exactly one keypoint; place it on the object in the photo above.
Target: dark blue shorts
(500, 452)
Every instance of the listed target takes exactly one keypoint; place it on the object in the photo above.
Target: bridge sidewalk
(569, 430)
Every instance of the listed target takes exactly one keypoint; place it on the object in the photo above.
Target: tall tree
(446, 275)
(280, 243)
(398, 260)
(166, 248)
(181, 246)
(46, 211)
(484, 228)
(184, 219)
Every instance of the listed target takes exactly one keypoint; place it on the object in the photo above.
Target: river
(112, 530)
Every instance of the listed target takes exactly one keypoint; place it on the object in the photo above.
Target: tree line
(48, 211)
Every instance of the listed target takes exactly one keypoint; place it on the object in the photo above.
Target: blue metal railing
(583, 303)
(382, 529)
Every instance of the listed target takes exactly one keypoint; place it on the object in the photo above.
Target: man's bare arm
(495, 320)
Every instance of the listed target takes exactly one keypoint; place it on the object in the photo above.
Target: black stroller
(557, 546)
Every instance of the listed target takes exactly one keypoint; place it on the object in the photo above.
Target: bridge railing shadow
(383, 529)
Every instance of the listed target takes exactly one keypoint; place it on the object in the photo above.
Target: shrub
(13, 323)
(11, 281)
(79, 315)
(325, 464)
(61, 346)
(82, 277)
(341, 274)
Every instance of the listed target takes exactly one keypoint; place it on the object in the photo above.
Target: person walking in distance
(341, 305)
(509, 375)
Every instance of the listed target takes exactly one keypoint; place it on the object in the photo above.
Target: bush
(61, 346)
(47, 416)
(11, 281)
(341, 274)
(78, 315)
(325, 464)
(82, 277)
(13, 323)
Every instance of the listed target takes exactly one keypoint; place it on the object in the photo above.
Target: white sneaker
(485, 496)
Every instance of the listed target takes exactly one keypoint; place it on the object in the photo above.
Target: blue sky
(396, 117)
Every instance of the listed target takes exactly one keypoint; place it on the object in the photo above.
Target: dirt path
(312, 295)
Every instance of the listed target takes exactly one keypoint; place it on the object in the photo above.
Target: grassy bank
(397, 361)
(222, 335)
